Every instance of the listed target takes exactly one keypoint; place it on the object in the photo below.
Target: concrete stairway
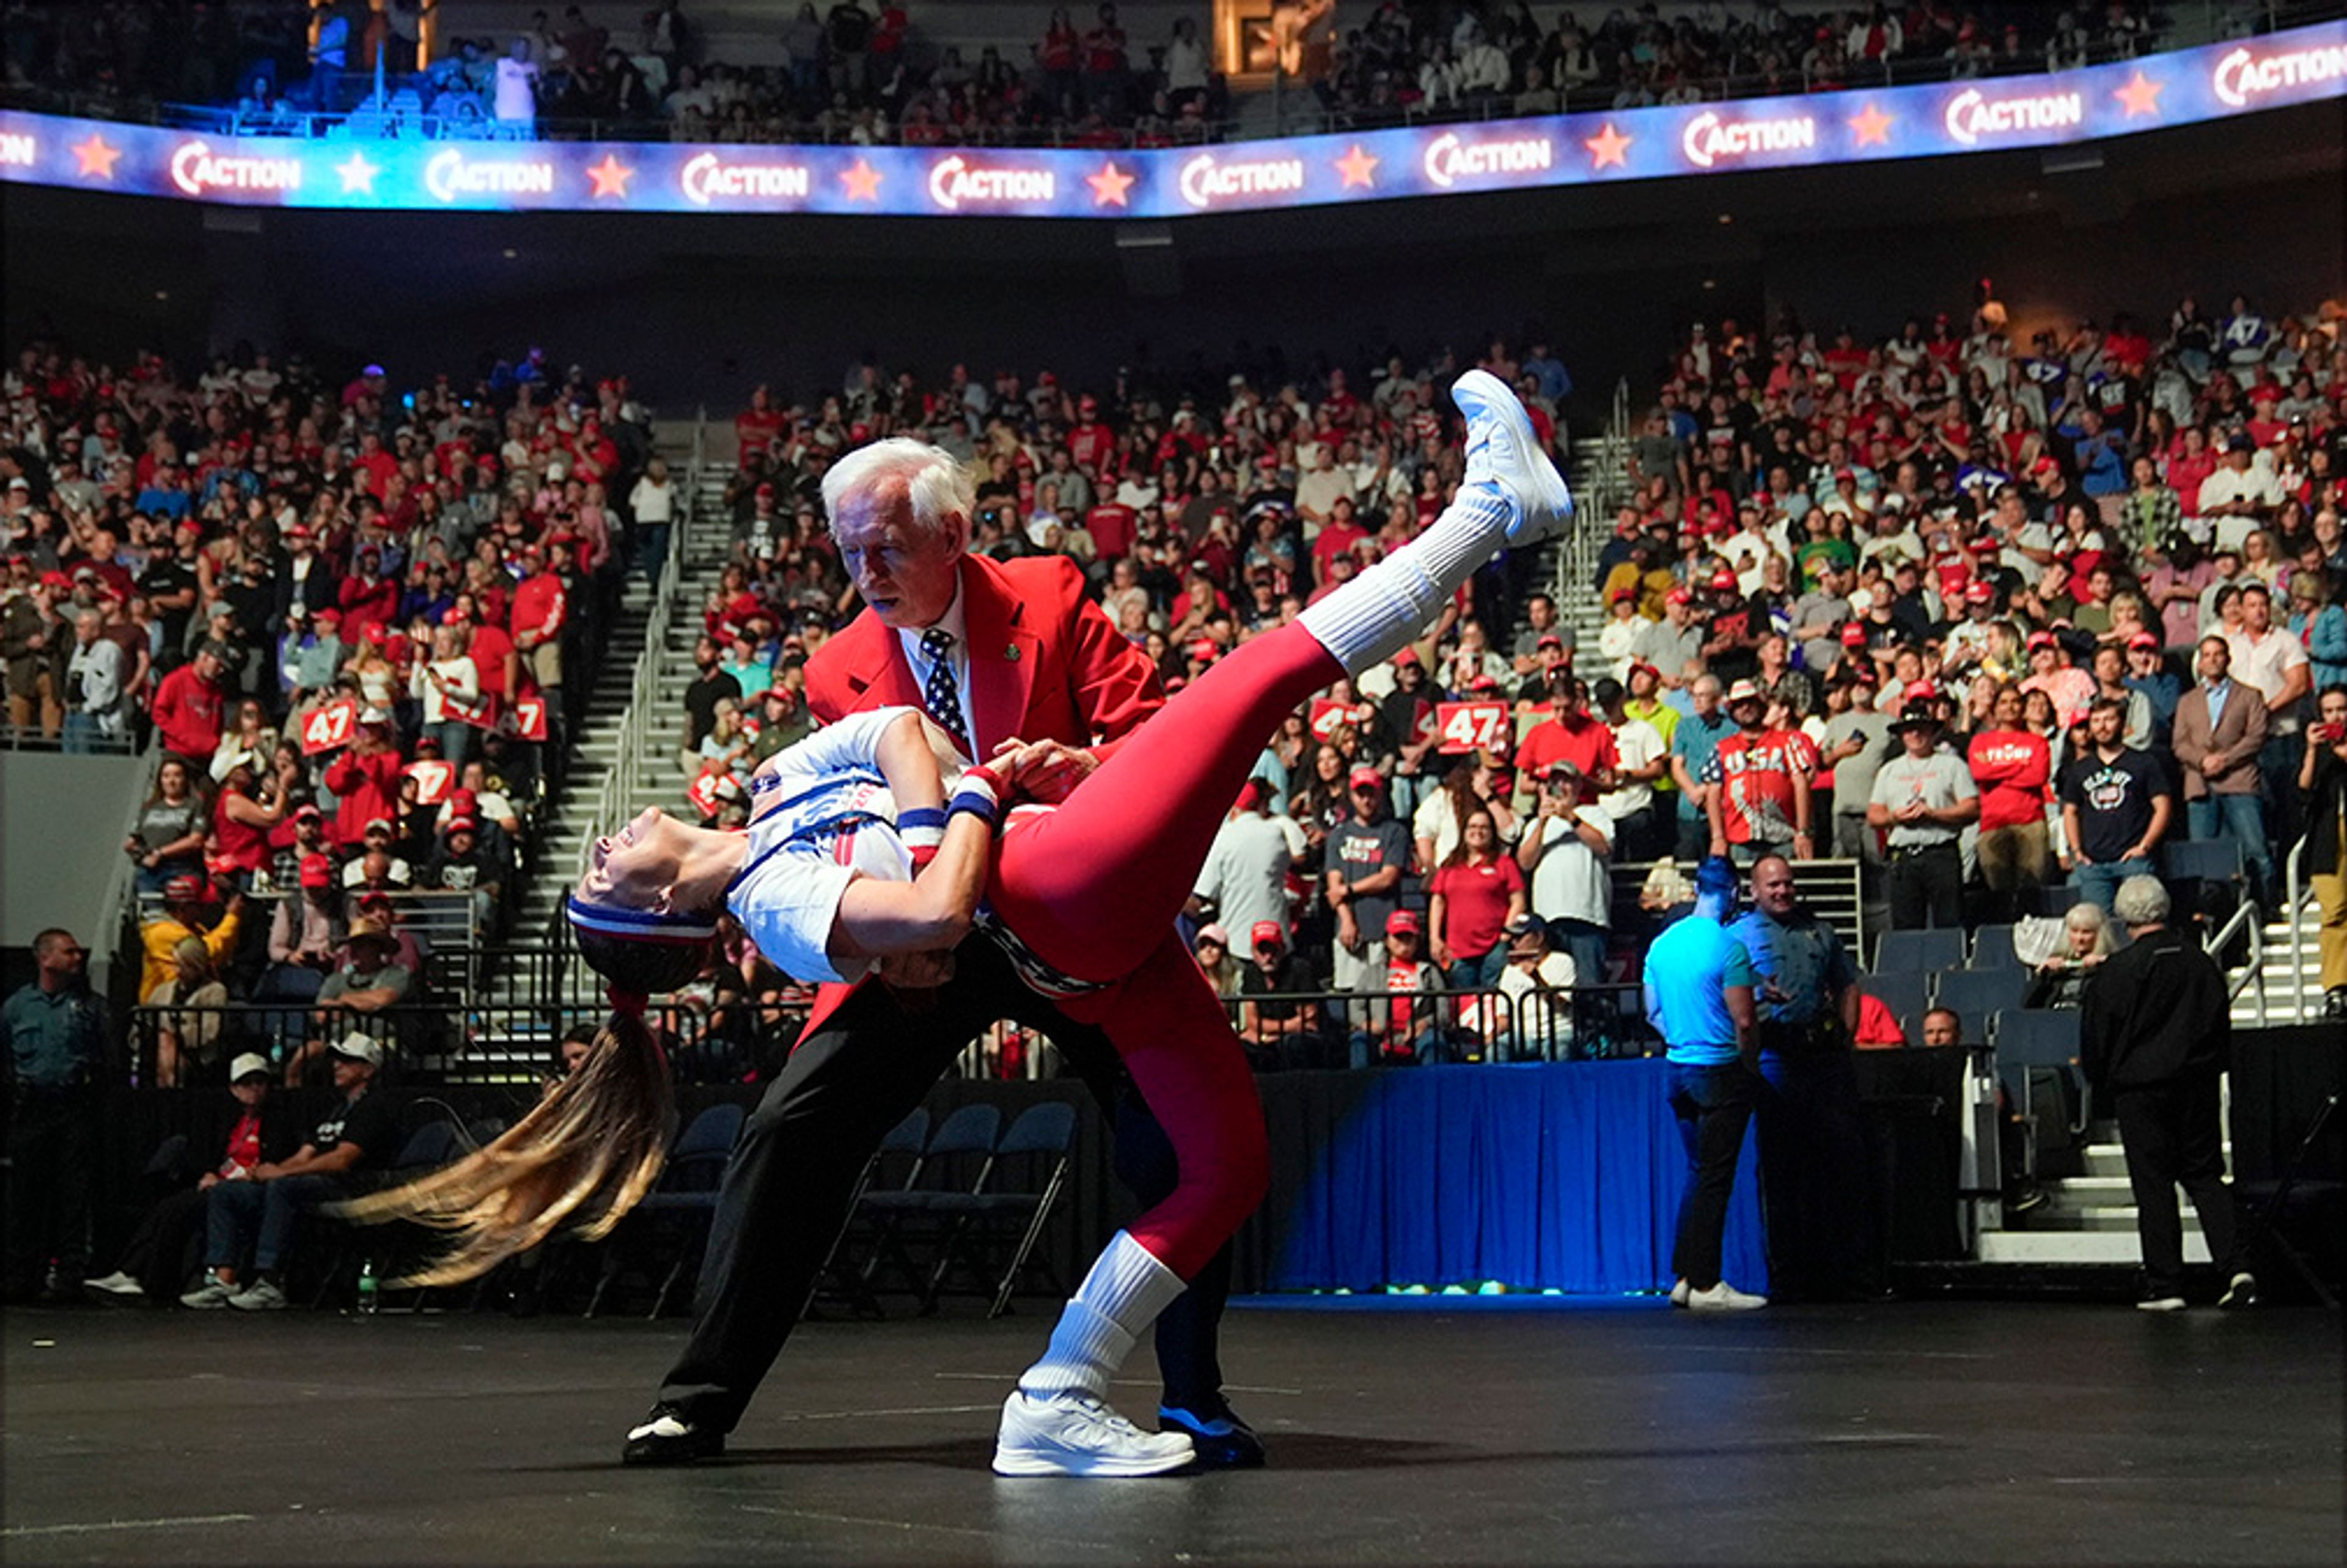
(613, 726)
(2089, 1218)
(2287, 986)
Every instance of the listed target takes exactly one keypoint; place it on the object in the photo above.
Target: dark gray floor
(1940, 1432)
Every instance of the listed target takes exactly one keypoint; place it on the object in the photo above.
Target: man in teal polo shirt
(1699, 993)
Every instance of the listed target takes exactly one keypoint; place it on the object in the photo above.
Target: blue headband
(639, 925)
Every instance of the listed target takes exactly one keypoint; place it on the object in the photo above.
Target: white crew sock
(1122, 1295)
(1371, 618)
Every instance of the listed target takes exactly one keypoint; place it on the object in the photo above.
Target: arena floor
(1430, 1433)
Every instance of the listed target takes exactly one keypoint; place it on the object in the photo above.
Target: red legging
(1094, 887)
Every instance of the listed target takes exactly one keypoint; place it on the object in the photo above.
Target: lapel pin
(1010, 651)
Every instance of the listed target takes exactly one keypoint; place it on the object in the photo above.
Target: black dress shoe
(667, 1437)
(1222, 1443)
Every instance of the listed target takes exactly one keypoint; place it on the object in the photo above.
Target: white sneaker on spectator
(211, 1294)
(1724, 1298)
(1075, 1434)
(115, 1283)
(261, 1295)
(2160, 1303)
(1679, 1293)
(1503, 447)
(2240, 1291)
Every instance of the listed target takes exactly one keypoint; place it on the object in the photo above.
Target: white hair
(2141, 901)
(2086, 917)
(937, 487)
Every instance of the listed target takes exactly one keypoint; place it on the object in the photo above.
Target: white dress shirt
(955, 623)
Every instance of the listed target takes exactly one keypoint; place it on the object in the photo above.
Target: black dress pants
(1713, 1106)
(790, 1181)
(2172, 1137)
(1927, 889)
(52, 1160)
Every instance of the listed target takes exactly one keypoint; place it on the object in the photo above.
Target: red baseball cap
(182, 889)
(317, 871)
(2144, 639)
(1853, 635)
(1402, 920)
(1367, 778)
(1269, 931)
(1678, 596)
(1979, 593)
(1723, 579)
(2038, 639)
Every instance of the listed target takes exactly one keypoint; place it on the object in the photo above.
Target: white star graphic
(358, 174)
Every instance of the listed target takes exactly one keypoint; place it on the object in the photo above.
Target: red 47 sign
(703, 793)
(330, 728)
(1471, 726)
(1330, 715)
(530, 718)
(432, 781)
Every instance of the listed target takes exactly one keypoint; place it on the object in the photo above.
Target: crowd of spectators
(885, 73)
(2101, 573)
(344, 614)
(1990, 618)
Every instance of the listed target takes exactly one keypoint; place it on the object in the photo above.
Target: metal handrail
(620, 782)
(2247, 913)
(1596, 497)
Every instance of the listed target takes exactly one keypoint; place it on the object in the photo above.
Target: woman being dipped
(862, 852)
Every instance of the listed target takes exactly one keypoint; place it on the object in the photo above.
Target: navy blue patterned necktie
(939, 694)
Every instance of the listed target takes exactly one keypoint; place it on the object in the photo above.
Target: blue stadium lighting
(2125, 98)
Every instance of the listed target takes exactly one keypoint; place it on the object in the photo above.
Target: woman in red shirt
(241, 818)
(2012, 764)
(1477, 891)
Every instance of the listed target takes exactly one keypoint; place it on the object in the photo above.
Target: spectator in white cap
(354, 1138)
(153, 1262)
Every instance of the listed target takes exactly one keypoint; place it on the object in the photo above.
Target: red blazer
(1044, 664)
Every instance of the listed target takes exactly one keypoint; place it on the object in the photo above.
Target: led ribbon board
(390, 174)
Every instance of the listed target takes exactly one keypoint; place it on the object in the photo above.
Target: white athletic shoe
(261, 1295)
(1075, 1434)
(1502, 448)
(115, 1283)
(1679, 1293)
(1724, 1298)
(210, 1295)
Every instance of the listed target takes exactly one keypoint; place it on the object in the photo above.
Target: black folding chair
(1906, 992)
(972, 1222)
(2034, 1040)
(1922, 952)
(398, 1246)
(1981, 993)
(1992, 948)
(677, 1212)
(895, 1166)
(958, 1159)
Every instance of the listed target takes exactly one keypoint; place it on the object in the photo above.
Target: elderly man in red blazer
(1002, 655)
